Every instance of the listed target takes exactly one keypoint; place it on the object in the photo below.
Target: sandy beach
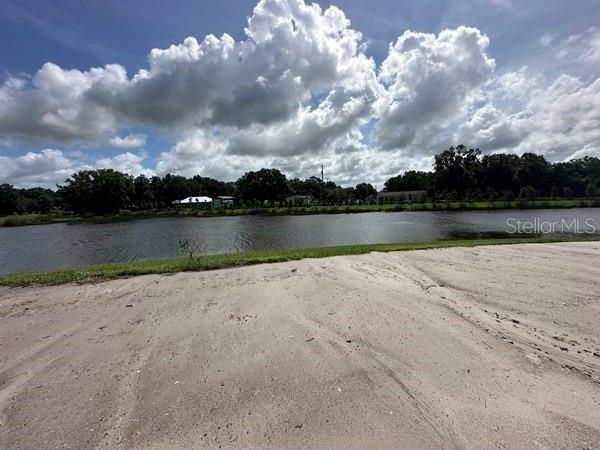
(485, 347)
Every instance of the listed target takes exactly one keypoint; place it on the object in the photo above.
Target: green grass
(126, 269)
(17, 220)
(39, 219)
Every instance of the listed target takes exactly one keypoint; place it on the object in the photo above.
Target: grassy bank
(209, 262)
(39, 219)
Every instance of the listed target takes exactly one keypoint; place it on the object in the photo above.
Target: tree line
(106, 191)
(463, 173)
(459, 173)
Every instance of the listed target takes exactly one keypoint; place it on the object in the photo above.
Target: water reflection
(62, 245)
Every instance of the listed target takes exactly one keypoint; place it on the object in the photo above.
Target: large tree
(100, 191)
(264, 184)
(143, 194)
(311, 186)
(8, 199)
(533, 170)
(457, 171)
(499, 174)
(411, 180)
(364, 191)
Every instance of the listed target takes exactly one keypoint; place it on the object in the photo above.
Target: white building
(194, 201)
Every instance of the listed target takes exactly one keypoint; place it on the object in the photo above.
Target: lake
(63, 245)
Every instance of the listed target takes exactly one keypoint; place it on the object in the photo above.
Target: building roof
(195, 200)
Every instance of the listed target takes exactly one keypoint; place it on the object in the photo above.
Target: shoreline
(102, 272)
(16, 220)
(485, 347)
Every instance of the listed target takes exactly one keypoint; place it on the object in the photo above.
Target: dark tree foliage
(8, 199)
(263, 185)
(463, 173)
(533, 170)
(33, 200)
(143, 194)
(100, 191)
(527, 192)
(364, 191)
(311, 186)
(498, 175)
(457, 171)
(411, 180)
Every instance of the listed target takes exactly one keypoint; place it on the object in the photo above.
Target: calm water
(63, 245)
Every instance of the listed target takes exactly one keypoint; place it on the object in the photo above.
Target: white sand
(490, 347)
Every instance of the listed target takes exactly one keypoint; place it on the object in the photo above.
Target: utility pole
(322, 184)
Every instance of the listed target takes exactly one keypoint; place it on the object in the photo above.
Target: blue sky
(76, 34)
(364, 126)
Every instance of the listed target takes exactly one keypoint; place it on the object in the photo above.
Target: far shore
(477, 348)
(440, 205)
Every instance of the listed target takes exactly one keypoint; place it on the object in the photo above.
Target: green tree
(498, 172)
(364, 191)
(262, 185)
(567, 192)
(143, 194)
(591, 190)
(176, 187)
(527, 192)
(37, 200)
(311, 186)
(458, 170)
(533, 170)
(8, 199)
(211, 187)
(411, 180)
(100, 191)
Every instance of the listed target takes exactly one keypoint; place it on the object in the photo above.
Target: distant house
(400, 196)
(193, 202)
(224, 201)
(298, 200)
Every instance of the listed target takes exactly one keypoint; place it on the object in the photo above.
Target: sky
(368, 89)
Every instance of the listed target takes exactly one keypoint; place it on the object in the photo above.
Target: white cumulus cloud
(45, 168)
(298, 90)
(127, 162)
(129, 141)
(428, 78)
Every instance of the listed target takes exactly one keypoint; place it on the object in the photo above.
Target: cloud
(298, 90)
(45, 168)
(579, 48)
(309, 131)
(428, 78)
(129, 141)
(54, 107)
(559, 119)
(125, 162)
(547, 39)
(292, 53)
(50, 167)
